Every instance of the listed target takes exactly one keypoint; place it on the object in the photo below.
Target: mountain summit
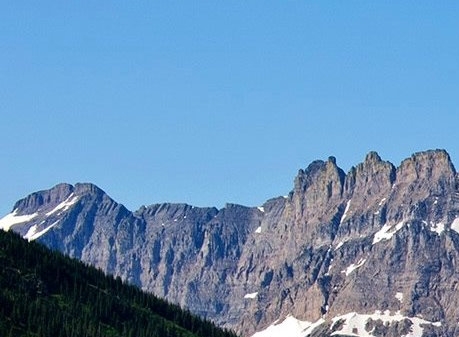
(373, 252)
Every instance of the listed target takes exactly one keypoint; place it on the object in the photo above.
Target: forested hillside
(43, 293)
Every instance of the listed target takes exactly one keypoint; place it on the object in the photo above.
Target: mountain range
(370, 252)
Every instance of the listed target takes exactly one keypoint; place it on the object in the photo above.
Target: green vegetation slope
(43, 293)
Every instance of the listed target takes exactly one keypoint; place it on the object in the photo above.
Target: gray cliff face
(377, 239)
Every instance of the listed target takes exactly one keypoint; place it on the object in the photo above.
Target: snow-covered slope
(351, 324)
(13, 218)
(44, 218)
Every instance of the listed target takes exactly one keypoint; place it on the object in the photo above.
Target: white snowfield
(399, 296)
(387, 231)
(345, 212)
(354, 325)
(455, 225)
(13, 219)
(289, 327)
(353, 267)
(34, 233)
(65, 205)
(251, 296)
(437, 228)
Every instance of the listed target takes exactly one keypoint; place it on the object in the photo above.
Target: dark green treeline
(43, 293)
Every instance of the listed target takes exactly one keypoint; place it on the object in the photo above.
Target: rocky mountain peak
(369, 253)
(332, 160)
(430, 165)
(320, 176)
(87, 188)
(39, 199)
(319, 187)
(426, 180)
(429, 172)
(372, 156)
(369, 180)
(47, 199)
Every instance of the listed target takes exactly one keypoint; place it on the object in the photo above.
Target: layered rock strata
(377, 239)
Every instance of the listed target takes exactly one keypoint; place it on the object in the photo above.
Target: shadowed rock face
(375, 239)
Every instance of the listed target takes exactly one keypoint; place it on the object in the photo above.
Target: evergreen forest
(46, 294)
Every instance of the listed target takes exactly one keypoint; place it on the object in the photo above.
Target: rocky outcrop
(378, 239)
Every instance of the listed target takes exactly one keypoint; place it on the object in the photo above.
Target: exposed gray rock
(378, 238)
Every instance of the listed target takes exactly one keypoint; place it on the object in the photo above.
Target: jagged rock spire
(377, 238)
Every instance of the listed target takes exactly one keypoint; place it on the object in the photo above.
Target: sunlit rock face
(371, 252)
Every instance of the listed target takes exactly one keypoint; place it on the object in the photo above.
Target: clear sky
(208, 102)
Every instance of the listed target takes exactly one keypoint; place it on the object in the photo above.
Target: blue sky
(218, 101)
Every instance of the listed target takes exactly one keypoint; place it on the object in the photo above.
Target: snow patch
(32, 233)
(382, 202)
(455, 225)
(386, 232)
(251, 296)
(289, 327)
(65, 205)
(399, 297)
(345, 211)
(32, 230)
(13, 219)
(339, 245)
(261, 209)
(437, 228)
(258, 230)
(354, 323)
(353, 267)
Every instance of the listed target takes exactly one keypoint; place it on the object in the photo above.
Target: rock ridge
(377, 238)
